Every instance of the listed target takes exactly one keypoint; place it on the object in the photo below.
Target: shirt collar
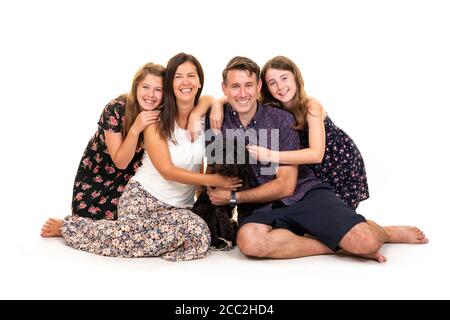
(234, 116)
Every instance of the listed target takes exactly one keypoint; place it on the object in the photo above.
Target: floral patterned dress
(342, 166)
(99, 183)
(146, 227)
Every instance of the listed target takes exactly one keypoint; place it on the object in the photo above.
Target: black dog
(219, 218)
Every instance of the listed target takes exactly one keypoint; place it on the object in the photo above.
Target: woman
(331, 153)
(154, 219)
(114, 153)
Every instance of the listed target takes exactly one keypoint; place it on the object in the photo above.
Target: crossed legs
(364, 239)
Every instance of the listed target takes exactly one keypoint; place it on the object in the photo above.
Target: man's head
(242, 85)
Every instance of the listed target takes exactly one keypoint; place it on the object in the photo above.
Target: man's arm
(282, 186)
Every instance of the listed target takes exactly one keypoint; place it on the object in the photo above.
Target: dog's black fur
(219, 218)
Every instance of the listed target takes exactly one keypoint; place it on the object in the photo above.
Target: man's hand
(218, 196)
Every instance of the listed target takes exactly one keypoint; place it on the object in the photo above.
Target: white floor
(388, 90)
(36, 268)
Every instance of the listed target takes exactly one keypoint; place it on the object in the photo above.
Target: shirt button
(240, 126)
(254, 121)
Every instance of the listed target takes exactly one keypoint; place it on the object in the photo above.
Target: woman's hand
(262, 154)
(229, 183)
(216, 116)
(144, 119)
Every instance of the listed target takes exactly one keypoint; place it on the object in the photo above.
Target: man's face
(242, 90)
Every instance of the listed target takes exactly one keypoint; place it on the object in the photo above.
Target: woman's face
(281, 85)
(186, 82)
(149, 92)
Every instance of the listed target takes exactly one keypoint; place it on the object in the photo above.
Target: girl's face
(150, 92)
(186, 82)
(281, 85)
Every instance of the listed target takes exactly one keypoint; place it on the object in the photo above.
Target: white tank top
(184, 155)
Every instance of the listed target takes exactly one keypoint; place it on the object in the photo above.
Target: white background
(380, 68)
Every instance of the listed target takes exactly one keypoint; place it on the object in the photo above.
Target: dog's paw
(220, 244)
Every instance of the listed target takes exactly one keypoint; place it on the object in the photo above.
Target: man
(298, 202)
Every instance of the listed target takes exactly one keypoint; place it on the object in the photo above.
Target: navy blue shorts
(319, 213)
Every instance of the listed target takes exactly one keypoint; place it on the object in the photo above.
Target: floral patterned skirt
(146, 227)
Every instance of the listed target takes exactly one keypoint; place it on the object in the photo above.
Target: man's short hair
(242, 63)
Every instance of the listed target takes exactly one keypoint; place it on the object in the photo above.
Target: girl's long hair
(132, 108)
(299, 109)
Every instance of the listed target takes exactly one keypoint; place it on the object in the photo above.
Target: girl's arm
(194, 126)
(316, 138)
(216, 116)
(162, 161)
(122, 150)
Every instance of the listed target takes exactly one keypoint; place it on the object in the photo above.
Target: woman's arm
(122, 150)
(198, 188)
(316, 138)
(159, 154)
(216, 116)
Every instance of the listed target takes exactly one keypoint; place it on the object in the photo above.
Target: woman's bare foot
(52, 228)
(405, 234)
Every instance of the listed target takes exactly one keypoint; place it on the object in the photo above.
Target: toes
(44, 234)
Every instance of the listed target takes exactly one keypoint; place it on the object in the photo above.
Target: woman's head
(283, 86)
(183, 84)
(146, 93)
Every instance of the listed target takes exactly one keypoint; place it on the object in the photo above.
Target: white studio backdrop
(380, 68)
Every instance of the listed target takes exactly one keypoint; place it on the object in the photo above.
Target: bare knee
(361, 240)
(250, 240)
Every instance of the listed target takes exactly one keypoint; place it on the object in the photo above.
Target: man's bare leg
(52, 228)
(379, 232)
(259, 240)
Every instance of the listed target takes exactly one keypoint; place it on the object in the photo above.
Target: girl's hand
(144, 119)
(216, 116)
(194, 126)
(262, 154)
(229, 183)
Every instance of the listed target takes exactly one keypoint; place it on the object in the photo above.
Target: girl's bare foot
(52, 228)
(405, 234)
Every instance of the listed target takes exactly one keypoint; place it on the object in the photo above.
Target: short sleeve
(113, 116)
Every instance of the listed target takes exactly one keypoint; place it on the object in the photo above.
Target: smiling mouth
(187, 90)
(283, 93)
(149, 101)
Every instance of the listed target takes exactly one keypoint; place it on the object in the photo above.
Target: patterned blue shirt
(272, 128)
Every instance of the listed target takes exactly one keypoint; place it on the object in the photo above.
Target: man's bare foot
(405, 234)
(378, 257)
(52, 228)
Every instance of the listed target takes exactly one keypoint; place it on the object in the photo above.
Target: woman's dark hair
(169, 112)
